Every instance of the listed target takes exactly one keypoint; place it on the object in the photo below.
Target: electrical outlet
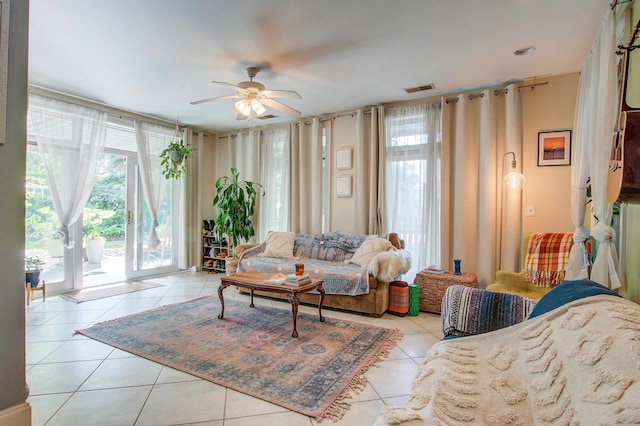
(531, 210)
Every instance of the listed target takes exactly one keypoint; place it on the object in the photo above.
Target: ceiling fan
(253, 97)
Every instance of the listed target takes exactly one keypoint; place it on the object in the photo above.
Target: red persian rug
(251, 350)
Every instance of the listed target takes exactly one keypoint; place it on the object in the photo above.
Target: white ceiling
(156, 56)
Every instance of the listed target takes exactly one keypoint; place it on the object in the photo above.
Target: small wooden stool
(30, 290)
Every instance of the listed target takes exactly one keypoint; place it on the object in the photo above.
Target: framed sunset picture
(554, 148)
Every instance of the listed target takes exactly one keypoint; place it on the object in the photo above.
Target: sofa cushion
(279, 244)
(335, 246)
(369, 248)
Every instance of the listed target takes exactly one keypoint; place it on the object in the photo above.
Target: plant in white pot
(93, 241)
(173, 159)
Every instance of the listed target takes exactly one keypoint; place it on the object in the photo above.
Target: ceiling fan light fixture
(244, 107)
(257, 107)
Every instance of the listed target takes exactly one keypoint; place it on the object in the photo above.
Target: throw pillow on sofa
(369, 248)
(279, 244)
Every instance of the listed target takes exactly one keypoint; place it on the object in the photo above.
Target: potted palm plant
(235, 202)
(173, 157)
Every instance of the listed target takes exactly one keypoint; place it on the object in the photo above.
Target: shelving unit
(214, 254)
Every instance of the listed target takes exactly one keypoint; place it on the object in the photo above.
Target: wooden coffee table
(255, 281)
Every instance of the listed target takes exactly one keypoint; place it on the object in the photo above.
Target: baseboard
(17, 415)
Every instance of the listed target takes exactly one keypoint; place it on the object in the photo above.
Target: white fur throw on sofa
(387, 265)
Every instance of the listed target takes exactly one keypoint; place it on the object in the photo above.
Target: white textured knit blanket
(578, 364)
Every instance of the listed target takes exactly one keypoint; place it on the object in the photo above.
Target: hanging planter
(173, 157)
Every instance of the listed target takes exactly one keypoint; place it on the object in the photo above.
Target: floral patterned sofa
(349, 265)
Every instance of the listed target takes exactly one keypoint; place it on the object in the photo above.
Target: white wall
(12, 176)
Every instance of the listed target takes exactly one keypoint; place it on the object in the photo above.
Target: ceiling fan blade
(280, 107)
(224, 83)
(290, 94)
(217, 98)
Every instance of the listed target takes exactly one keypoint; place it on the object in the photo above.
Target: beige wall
(342, 208)
(207, 176)
(547, 189)
(12, 176)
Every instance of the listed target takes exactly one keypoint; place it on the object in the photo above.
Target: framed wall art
(343, 186)
(343, 159)
(554, 148)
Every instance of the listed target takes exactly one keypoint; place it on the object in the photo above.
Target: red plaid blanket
(547, 257)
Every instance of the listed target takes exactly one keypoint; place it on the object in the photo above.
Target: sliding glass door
(144, 257)
(111, 238)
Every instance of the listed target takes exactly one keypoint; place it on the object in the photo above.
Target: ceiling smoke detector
(422, 88)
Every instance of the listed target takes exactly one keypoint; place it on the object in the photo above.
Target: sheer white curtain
(244, 151)
(70, 139)
(274, 177)
(486, 126)
(151, 139)
(412, 180)
(594, 124)
(598, 139)
(306, 177)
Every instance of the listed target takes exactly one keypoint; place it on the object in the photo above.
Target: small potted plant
(33, 266)
(173, 158)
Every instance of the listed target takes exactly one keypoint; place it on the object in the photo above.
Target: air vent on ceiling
(423, 88)
(266, 117)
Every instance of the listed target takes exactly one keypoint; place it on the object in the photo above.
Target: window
(274, 176)
(412, 176)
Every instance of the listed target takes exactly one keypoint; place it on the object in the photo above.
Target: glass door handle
(129, 217)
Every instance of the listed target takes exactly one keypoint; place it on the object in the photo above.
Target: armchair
(515, 282)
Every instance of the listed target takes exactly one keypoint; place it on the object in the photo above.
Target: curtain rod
(39, 90)
(498, 91)
(235, 135)
(533, 85)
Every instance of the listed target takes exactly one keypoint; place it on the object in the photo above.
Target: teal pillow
(567, 292)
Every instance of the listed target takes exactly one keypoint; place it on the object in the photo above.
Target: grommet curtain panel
(484, 220)
(369, 161)
(70, 140)
(306, 177)
(151, 140)
(594, 124)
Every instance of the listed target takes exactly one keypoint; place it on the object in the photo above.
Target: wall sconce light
(514, 179)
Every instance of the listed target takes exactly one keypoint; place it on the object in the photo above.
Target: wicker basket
(433, 286)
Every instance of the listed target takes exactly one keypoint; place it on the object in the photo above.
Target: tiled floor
(76, 381)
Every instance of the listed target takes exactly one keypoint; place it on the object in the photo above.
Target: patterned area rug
(251, 350)
(88, 294)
